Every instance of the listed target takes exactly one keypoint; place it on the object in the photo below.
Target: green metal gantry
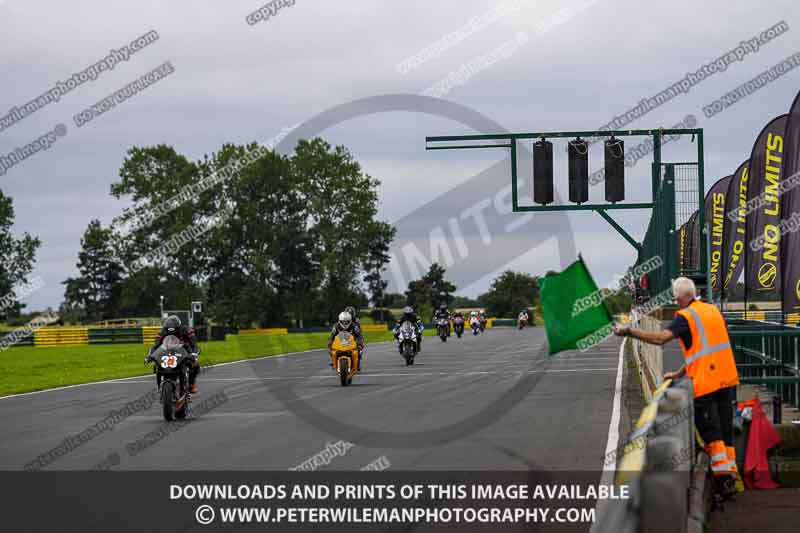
(602, 209)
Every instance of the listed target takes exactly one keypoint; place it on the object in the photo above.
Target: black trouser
(713, 415)
(194, 369)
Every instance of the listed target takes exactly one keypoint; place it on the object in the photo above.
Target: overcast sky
(566, 65)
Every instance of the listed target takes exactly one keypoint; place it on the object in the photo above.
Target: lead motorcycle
(408, 341)
(171, 363)
(345, 357)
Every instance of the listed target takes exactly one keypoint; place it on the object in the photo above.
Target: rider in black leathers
(172, 326)
(443, 312)
(411, 316)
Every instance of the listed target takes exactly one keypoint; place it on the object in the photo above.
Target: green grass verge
(27, 368)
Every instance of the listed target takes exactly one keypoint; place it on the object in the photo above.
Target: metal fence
(674, 231)
(768, 354)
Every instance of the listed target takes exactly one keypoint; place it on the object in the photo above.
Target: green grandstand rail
(768, 354)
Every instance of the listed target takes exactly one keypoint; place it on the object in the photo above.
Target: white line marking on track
(613, 439)
(613, 428)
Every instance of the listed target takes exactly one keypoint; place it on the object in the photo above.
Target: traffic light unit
(578, 160)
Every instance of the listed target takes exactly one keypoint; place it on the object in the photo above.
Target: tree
(418, 293)
(441, 290)
(261, 262)
(379, 238)
(509, 293)
(429, 292)
(17, 257)
(464, 301)
(394, 300)
(297, 270)
(152, 178)
(341, 203)
(281, 239)
(97, 289)
(617, 302)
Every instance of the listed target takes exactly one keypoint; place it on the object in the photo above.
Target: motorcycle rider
(172, 326)
(357, 325)
(459, 314)
(523, 316)
(411, 316)
(476, 316)
(352, 310)
(444, 313)
(346, 323)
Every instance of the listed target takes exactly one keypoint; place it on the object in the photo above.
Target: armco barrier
(149, 334)
(264, 331)
(61, 336)
(374, 327)
(19, 340)
(657, 463)
(649, 358)
(81, 336)
(115, 336)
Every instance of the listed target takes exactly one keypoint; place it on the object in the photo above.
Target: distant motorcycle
(458, 326)
(475, 324)
(408, 341)
(441, 328)
(522, 321)
(171, 365)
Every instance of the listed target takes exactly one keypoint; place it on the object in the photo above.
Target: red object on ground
(762, 437)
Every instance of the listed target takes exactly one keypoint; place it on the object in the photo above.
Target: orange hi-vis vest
(709, 360)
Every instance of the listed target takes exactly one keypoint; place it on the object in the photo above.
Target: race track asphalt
(492, 402)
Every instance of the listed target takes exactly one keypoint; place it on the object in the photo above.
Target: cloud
(236, 83)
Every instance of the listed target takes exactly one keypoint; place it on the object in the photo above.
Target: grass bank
(27, 368)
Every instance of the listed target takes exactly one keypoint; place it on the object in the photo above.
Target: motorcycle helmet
(408, 310)
(443, 306)
(172, 324)
(345, 319)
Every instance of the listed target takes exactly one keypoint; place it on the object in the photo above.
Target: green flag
(575, 315)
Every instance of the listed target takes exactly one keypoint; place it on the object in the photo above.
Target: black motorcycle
(171, 364)
(458, 326)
